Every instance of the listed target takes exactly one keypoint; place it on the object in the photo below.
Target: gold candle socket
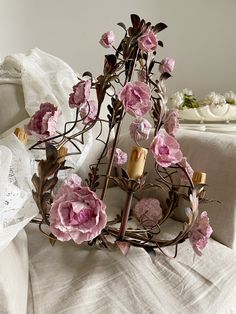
(199, 178)
(137, 162)
(62, 152)
(21, 135)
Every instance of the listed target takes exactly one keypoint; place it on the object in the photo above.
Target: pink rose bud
(148, 42)
(165, 149)
(200, 233)
(120, 157)
(77, 213)
(148, 211)
(80, 95)
(43, 123)
(167, 65)
(136, 98)
(139, 129)
(171, 121)
(89, 111)
(107, 39)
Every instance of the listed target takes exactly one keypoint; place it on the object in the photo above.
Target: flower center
(148, 41)
(164, 150)
(136, 94)
(140, 128)
(83, 216)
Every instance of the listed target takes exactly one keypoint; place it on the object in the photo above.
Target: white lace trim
(10, 203)
(17, 207)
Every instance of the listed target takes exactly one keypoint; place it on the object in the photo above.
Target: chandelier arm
(129, 235)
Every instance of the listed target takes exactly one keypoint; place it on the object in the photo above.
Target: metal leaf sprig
(46, 180)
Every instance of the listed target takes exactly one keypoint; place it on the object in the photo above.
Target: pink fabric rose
(200, 233)
(77, 213)
(171, 121)
(167, 65)
(183, 163)
(89, 111)
(107, 39)
(148, 42)
(43, 123)
(135, 97)
(80, 95)
(165, 149)
(148, 211)
(139, 129)
(120, 157)
(73, 181)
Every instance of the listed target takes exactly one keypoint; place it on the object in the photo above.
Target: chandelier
(71, 209)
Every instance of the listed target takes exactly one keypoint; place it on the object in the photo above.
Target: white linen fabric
(44, 78)
(73, 279)
(14, 276)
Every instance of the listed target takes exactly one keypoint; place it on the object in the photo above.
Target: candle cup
(21, 135)
(135, 170)
(137, 162)
(200, 178)
(62, 152)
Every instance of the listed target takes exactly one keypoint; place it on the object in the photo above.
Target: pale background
(200, 36)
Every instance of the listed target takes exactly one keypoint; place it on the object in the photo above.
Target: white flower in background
(177, 100)
(214, 99)
(186, 100)
(230, 98)
(183, 99)
(187, 92)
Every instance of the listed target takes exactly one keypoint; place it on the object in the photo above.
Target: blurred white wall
(201, 35)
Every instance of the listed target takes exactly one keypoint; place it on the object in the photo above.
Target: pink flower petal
(200, 233)
(77, 213)
(148, 42)
(135, 97)
(165, 149)
(43, 123)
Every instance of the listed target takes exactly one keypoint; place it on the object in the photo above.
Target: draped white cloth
(45, 78)
(16, 205)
